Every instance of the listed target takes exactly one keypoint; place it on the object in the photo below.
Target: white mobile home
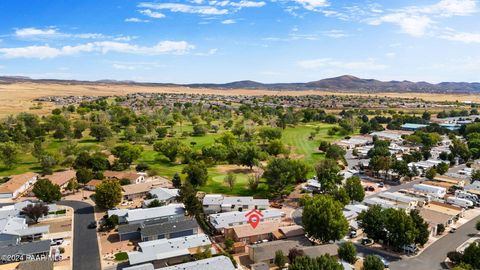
(438, 192)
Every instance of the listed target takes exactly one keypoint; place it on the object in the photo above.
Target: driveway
(86, 254)
(435, 254)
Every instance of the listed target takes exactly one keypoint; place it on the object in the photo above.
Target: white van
(464, 203)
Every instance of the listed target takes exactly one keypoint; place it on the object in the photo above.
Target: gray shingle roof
(169, 227)
(27, 248)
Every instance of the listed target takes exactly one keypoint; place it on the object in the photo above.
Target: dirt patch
(237, 169)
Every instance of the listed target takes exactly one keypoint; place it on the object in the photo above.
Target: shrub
(121, 256)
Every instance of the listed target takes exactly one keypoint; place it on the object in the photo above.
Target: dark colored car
(92, 225)
(367, 241)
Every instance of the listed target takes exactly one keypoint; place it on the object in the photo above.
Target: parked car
(453, 230)
(352, 234)
(92, 225)
(381, 185)
(412, 248)
(56, 241)
(367, 241)
(385, 262)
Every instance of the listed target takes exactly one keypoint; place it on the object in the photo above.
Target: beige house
(133, 177)
(17, 185)
(61, 178)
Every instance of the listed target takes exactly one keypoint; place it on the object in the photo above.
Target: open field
(19, 97)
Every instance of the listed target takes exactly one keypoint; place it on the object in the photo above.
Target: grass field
(297, 138)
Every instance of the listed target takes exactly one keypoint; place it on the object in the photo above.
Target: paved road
(435, 254)
(86, 255)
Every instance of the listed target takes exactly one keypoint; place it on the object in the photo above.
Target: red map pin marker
(254, 220)
(254, 217)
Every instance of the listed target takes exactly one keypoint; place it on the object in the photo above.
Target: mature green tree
(423, 233)
(341, 195)
(47, 162)
(216, 152)
(46, 191)
(372, 221)
(372, 262)
(230, 180)
(176, 181)
(327, 174)
(354, 189)
(170, 148)
(400, 227)
(127, 153)
(276, 147)
(72, 185)
(269, 133)
(84, 175)
(108, 194)
(154, 203)
(249, 155)
(323, 218)
(335, 152)
(78, 128)
(35, 211)
(348, 252)
(188, 196)
(281, 172)
(323, 262)
(431, 173)
(38, 151)
(162, 132)
(280, 260)
(471, 255)
(9, 154)
(100, 132)
(197, 173)
(442, 168)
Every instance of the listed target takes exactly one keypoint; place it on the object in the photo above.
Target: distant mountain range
(346, 83)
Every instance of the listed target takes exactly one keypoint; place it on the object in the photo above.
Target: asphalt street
(86, 255)
(434, 255)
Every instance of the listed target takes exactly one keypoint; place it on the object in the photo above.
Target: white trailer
(434, 191)
(464, 203)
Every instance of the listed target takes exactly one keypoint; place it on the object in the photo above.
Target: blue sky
(229, 40)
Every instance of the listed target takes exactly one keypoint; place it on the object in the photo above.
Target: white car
(56, 241)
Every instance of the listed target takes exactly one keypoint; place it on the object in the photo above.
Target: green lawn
(298, 138)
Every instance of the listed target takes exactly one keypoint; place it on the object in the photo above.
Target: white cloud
(45, 51)
(462, 37)
(174, 7)
(229, 21)
(329, 63)
(248, 4)
(135, 20)
(335, 33)
(152, 14)
(313, 4)
(415, 25)
(48, 33)
(418, 20)
(35, 32)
